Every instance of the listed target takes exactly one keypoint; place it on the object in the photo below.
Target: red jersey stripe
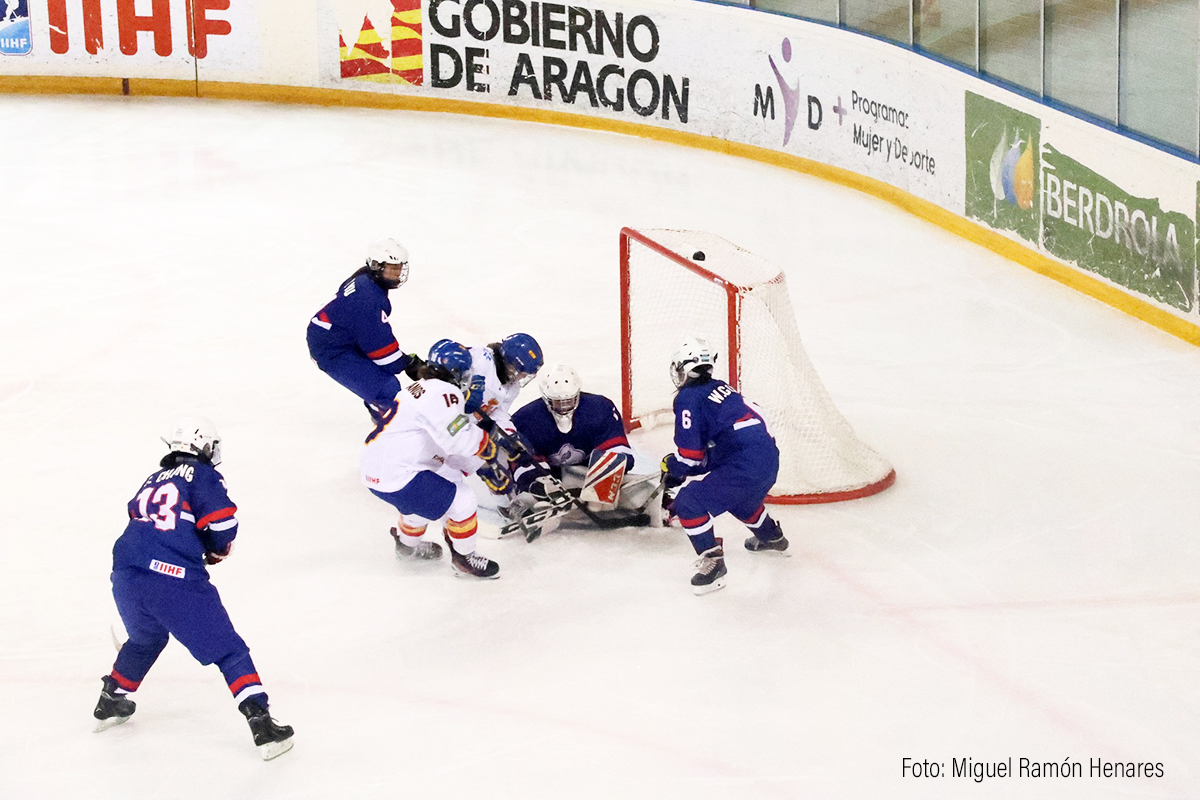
(243, 682)
(615, 441)
(125, 683)
(207, 519)
(385, 350)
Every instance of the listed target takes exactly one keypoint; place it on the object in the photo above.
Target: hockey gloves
(542, 487)
(495, 477)
(213, 557)
(474, 395)
(674, 471)
(412, 363)
(494, 474)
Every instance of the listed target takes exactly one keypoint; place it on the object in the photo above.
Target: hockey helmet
(692, 358)
(451, 356)
(382, 253)
(196, 436)
(522, 357)
(560, 392)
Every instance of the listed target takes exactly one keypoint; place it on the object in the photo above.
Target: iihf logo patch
(15, 39)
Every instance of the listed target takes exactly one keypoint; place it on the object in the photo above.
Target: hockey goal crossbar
(725, 318)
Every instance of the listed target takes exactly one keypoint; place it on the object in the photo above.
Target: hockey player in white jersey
(498, 373)
(505, 367)
(419, 455)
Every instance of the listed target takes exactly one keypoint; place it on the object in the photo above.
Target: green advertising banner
(1002, 166)
(1106, 230)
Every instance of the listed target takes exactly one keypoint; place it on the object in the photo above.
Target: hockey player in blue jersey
(351, 339)
(723, 442)
(568, 426)
(580, 441)
(181, 521)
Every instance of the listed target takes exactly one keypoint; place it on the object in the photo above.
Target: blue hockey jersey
(181, 512)
(356, 320)
(596, 426)
(714, 425)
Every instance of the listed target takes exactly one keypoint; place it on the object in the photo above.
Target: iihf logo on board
(14, 28)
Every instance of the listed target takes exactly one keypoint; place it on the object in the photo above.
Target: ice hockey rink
(1028, 589)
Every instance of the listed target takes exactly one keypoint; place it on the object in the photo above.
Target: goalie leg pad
(604, 477)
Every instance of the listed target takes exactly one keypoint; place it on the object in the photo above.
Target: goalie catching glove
(494, 474)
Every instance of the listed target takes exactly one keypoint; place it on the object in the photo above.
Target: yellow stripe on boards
(930, 212)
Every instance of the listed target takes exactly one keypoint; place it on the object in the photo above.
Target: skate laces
(475, 560)
(707, 564)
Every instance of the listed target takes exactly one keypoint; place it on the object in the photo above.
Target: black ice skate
(473, 565)
(113, 707)
(423, 551)
(271, 738)
(771, 540)
(710, 571)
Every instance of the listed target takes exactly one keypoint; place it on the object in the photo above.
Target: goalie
(577, 439)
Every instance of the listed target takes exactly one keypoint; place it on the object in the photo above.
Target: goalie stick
(533, 521)
(562, 499)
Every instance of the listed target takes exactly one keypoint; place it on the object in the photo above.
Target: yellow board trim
(930, 212)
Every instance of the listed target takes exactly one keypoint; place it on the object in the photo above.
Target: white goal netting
(739, 302)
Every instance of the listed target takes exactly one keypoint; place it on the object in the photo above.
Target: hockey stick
(514, 445)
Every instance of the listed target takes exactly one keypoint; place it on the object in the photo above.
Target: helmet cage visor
(562, 406)
(380, 268)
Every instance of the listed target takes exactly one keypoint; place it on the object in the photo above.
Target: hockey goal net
(676, 284)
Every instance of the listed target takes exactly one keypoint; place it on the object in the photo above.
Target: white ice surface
(1030, 587)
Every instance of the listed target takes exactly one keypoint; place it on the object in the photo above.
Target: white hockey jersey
(498, 397)
(424, 429)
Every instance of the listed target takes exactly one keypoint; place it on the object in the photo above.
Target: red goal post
(676, 284)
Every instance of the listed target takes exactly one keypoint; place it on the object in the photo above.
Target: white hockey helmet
(560, 392)
(692, 357)
(196, 436)
(381, 253)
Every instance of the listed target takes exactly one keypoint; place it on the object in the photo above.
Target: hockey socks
(700, 532)
(134, 660)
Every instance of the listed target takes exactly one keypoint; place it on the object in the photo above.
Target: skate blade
(403, 559)
(719, 583)
(776, 553)
(272, 750)
(111, 722)
(460, 574)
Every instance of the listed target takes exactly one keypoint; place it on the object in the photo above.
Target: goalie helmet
(560, 392)
(196, 436)
(522, 357)
(692, 358)
(383, 253)
(452, 357)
